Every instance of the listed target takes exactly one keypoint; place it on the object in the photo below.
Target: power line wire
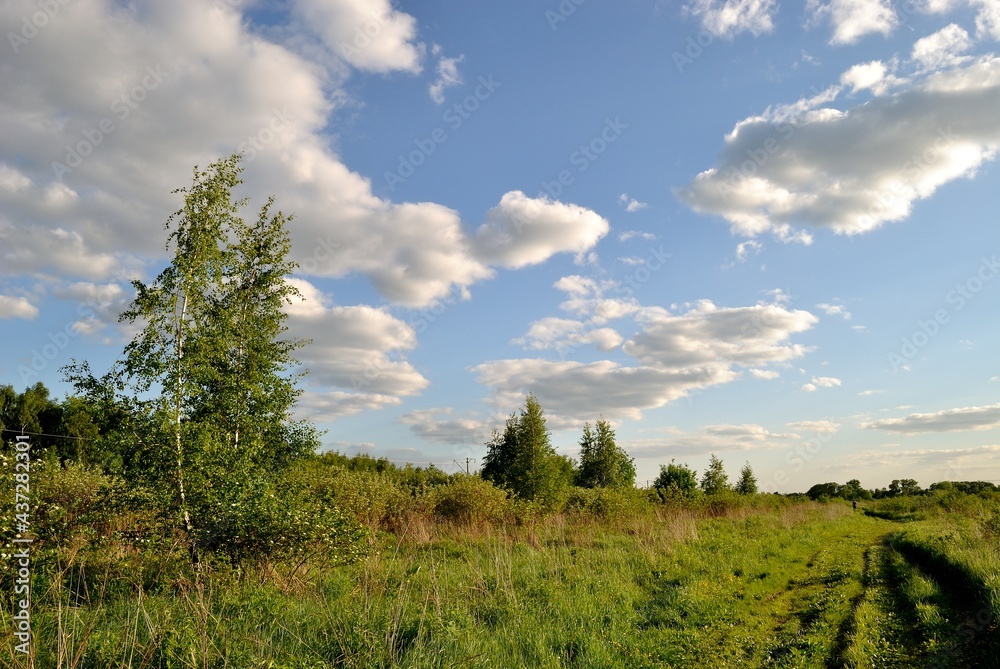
(41, 434)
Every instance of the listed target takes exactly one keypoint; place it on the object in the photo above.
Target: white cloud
(728, 18)
(853, 19)
(353, 357)
(824, 426)
(866, 76)
(563, 334)
(747, 249)
(574, 391)
(709, 439)
(635, 234)
(368, 34)
(707, 334)
(950, 420)
(821, 382)
(871, 391)
(631, 204)
(943, 48)
(852, 171)
(447, 74)
(98, 305)
(587, 301)
(835, 310)
(765, 374)
(987, 19)
(17, 307)
(271, 100)
(523, 231)
(426, 424)
(677, 355)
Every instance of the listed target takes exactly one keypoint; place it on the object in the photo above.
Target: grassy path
(834, 594)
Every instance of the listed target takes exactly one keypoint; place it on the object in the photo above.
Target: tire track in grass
(910, 616)
(780, 602)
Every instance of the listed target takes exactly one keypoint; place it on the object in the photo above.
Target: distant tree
(33, 412)
(900, 487)
(715, 480)
(602, 463)
(824, 491)
(747, 485)
(522, 459)
(852, 491)
(676, 481)
(501, 451)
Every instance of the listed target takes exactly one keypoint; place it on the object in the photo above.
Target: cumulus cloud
(17, 307)
(866, 76)
(98, 304)
(353, 357)
(950, 420)
(447, 74)
(105, 128)
(429, 425)
(943, 48)
(707, 334)
(574, 391)
(853, 19)
(630, 203)
(728, 18)
(821, 382)
(523, 231)
(709, 439)
(677, 354)
(835, 310)
(808, 165)
(565, 334)
(369, 34)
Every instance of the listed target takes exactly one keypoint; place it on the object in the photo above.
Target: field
(768, 583)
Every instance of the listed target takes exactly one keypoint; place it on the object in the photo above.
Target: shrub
(470, 499)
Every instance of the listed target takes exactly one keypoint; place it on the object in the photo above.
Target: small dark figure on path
(854, 505)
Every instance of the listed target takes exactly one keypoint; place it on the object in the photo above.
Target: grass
(806, 585)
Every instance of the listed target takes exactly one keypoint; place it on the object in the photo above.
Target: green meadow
(448, 576)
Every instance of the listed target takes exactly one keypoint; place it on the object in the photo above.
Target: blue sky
(762, 230)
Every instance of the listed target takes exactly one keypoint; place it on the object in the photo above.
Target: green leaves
(523, 460)
(208, 377)
(602, 463)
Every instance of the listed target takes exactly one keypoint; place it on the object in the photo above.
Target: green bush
(471, 500)
(606, 502)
